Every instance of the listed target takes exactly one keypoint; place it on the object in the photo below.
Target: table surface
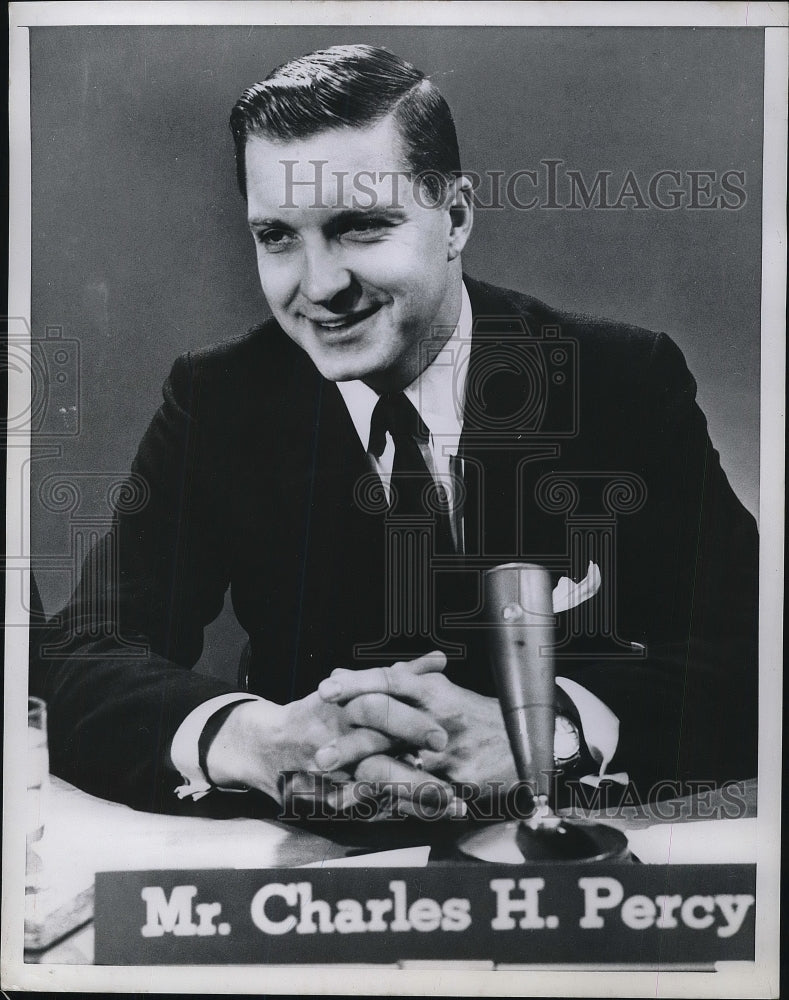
(85, 834)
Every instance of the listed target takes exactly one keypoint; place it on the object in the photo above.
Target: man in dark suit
(351, 467)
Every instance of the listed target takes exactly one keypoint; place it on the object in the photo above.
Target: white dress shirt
(438, 394)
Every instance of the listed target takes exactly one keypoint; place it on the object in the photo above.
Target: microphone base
(569, 842)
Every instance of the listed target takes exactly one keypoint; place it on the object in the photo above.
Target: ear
(461, 215)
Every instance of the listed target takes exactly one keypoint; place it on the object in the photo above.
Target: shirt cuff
(600, 728)
(185, 748)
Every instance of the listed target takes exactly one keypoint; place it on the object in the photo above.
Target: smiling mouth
(338, 323)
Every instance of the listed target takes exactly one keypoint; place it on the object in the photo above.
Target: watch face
(566, 741)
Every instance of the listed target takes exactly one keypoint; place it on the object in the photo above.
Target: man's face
(357, 268)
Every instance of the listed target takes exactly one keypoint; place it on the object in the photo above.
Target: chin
(343, 374)
(337, 369)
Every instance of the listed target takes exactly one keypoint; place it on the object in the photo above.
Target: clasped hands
(411, 706)
(365, 724)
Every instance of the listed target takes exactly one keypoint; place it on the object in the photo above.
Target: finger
(414, 792)
(356, 745)
(303, 792)
(343, 685)
(453, 806)
(430, 663)
(399, 680)
(361, 742)
(347, 797)
(343, 796)
(400, 722)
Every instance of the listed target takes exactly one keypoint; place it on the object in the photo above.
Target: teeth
(338, 324)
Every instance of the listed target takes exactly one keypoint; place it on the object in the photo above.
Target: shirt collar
(438, 393)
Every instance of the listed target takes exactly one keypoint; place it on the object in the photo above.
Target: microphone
(519, 614)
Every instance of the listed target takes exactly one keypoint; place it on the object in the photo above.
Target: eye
(274, 240)
(363, 229)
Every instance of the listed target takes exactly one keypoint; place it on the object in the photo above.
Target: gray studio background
(140, 249)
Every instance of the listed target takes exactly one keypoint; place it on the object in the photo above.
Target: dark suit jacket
(582, 440)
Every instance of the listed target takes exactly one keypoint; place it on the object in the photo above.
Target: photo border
(759, 979)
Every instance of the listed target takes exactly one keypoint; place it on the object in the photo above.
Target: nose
(325, 276)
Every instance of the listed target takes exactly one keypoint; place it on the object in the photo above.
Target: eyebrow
(346, 215)
(257, 223)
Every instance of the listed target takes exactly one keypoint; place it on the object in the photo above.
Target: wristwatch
(566, 742)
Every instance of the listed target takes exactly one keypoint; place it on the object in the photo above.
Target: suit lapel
(501, 444)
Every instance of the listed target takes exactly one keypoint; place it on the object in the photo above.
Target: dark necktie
(415, 494)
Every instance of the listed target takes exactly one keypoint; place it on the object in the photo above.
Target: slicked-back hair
(351, 86)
